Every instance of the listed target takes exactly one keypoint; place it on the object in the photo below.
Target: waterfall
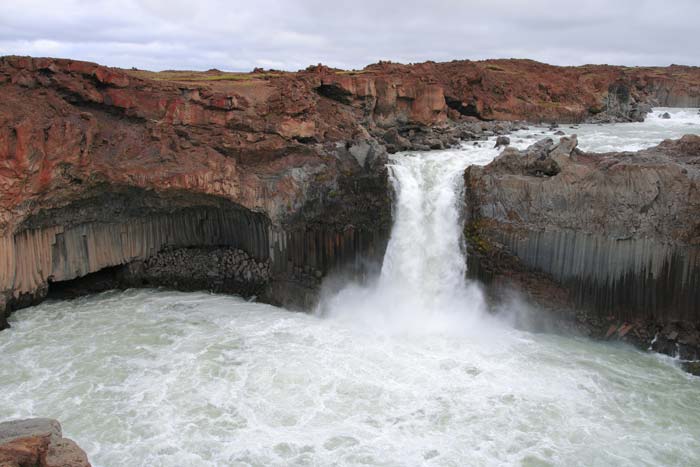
(422, 285)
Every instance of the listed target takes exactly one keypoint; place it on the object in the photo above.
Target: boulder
(502, 141)
(38, 442)
(393, 138)
(33, 427)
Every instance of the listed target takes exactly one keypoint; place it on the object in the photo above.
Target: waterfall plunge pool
(409, 370)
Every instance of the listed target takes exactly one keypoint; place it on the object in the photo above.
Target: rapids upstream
(406, 370)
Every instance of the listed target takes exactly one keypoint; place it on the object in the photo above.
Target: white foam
(167, 379)
(622, 136)
(421, 288)
(407, 371)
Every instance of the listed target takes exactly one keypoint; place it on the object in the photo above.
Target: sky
(240, 35)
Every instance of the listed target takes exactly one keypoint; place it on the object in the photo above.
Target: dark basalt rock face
(118, 237)
(617, 233)
(217, 269)
(620, 106)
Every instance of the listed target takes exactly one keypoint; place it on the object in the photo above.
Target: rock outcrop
(620, 232)
(105, 168)
(101, 169)
(536, 92)
(38, 442)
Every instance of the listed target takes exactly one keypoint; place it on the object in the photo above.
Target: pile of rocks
(421, 138)
(227, 270)
(679, 339)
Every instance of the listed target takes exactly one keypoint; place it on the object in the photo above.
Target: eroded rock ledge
(618, 233)
(38, 442)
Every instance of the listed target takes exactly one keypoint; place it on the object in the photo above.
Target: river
(409, 369)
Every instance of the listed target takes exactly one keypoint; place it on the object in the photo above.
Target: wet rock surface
(623, 103)
(38, 442)
(502, 141)
(219, 270)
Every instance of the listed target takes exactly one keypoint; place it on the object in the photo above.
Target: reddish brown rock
(38, 443)
(518, 89)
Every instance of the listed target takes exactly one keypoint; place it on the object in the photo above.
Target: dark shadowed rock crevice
(619, 105)
(216, 269)
(335, 93)
(465, 109)
(116, 226)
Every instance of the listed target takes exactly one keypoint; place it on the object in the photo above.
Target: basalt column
(127, 227)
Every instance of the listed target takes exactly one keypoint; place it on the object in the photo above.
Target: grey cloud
(291, 34)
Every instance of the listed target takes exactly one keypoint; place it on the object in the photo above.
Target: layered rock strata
(514, 90)
(100, 169)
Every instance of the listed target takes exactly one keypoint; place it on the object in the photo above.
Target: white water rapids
(408, 370)
(421, 288)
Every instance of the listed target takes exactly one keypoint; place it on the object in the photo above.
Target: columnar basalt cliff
(128, 172)
(101, 169)
(619, 231)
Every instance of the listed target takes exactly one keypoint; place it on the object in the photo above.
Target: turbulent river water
(408, 370)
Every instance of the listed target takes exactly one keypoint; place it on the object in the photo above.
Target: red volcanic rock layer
(513, 89)
(64, 122)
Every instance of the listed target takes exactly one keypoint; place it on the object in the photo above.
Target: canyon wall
(620, 232)
(282, 173)
(99, 169)
(519, 90)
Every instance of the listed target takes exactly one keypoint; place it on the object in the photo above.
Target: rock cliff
(125, 172)
(520, 90)
(619, 231)
(99, 168)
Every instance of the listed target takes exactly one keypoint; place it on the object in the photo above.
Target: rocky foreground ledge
(38, 442)
(614, 237)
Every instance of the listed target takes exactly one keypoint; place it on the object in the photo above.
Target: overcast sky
(291, 34)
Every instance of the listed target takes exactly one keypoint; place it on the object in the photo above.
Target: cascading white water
(425, 254)
(422, 286)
